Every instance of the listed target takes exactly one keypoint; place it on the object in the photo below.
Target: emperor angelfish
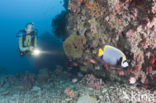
(113, 56)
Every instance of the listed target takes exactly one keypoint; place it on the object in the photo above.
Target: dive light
(36, 52)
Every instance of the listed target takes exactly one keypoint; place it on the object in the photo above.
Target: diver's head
(29, 28)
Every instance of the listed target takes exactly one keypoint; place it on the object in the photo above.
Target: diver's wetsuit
(26, 41)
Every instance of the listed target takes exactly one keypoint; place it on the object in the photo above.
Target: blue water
(14, 14)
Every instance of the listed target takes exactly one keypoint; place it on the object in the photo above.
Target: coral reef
(129, 25)
(64, 91)
(93, 82)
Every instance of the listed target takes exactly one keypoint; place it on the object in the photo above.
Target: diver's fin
(100, 52)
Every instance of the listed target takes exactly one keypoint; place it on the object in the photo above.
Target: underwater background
(92, 51)
(14, 15)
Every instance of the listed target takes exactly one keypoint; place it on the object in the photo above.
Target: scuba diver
(28, 40)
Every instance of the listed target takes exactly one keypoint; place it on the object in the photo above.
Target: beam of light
(53, 52)
(36, 52)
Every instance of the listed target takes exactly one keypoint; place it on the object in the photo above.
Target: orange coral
(93, 9)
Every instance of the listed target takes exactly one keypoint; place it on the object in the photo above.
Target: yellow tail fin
(100, 52)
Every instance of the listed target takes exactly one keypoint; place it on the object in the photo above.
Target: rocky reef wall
(129, 25)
